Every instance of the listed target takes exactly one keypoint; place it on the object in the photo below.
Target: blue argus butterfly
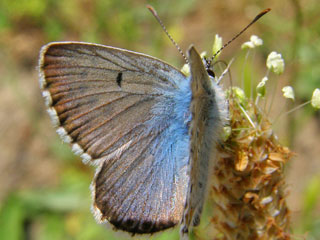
(141, 121)
(150, 130)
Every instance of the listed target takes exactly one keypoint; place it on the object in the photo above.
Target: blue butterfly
(150, 130)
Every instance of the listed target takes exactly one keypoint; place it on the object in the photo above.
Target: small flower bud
(261, 87)
(315, 100)
(217, 45)
(185, 69)
(255, 41)
(275, 63)
(288, 92)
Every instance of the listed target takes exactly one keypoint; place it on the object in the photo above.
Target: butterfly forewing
(128, 113)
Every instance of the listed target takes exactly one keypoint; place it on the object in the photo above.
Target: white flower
(247, 45)
(288, 92)
(261, 87)
(239, 94)
(275, 62)
(203, 54)
(315, 100)
(185, 69)
(255, 41)
(217, 45)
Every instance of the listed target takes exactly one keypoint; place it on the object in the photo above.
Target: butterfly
(150, 130)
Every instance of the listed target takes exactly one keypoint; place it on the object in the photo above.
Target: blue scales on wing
(128, 113)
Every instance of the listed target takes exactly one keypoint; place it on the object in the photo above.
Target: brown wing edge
(76, 148)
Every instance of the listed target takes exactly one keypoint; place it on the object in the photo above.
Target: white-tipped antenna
(236, 36)
(154, 13)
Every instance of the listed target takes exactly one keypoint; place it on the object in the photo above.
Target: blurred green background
(44, 188)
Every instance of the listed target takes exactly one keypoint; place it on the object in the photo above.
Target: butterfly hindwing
(208, 116)
(128, 113)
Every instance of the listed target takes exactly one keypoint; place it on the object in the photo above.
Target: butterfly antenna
(242, 31)
(154, 13)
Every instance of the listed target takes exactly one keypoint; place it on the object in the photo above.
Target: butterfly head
(209, 67)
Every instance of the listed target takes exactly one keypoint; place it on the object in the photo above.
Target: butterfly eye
(208, 66)
(211, 73)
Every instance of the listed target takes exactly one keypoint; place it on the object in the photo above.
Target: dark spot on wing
(119, 79)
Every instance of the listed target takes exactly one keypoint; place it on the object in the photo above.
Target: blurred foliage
(310, 221)
(62, 211)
